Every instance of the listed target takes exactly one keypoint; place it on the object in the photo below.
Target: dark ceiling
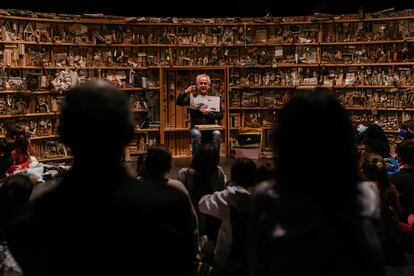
(206, 8)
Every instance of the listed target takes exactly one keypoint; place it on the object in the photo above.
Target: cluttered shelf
(98, 18)
(154, 59)
(276, 65)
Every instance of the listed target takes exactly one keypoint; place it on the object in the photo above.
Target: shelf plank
(46, 137)
(121, 20)
(380, 109)
(392, 131)
(194, 67)
(366, 64)
(279, 65)
(75, 67)
(40, 92)
(138, 88)
(369, 19)
(138, 110)
(367, 86)
(325, 86)
(262, 87)
(204, 45)
(364, 42)
(65, 158)
(182, 156)
(252, 108)
(250, 128)
(5, 116)
(145, 130)
(137, 152)
(176, 129)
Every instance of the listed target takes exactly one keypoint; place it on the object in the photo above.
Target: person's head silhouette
(15, 192)
(158, 161)
(96, 121)
(315, 149)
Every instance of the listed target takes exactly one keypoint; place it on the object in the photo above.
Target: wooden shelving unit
(256, 65)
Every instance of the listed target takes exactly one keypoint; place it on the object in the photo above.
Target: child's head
(244, 172)
(6, 146)
(405, 152)
(206, 159)
(372, 166)
(17, 131)
(264, 172)
(22, 144)
(15, 192)
(158, 160)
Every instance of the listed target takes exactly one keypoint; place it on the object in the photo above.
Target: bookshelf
(256, 65)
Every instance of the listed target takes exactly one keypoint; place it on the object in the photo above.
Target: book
(211, 103)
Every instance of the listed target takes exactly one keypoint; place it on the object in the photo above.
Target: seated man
(200, 115)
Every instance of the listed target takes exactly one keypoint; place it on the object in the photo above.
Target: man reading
(201, 114)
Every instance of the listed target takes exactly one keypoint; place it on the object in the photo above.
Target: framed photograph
(61, 59)
(33, 81)
(279, 51)
(261, 36)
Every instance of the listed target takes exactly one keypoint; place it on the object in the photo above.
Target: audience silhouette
(15, 192)
(309, 219)
(99, 220)
(231, 206)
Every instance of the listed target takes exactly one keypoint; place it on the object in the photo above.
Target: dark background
(206, 8)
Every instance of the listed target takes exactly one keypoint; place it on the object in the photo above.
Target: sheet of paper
(211, 103)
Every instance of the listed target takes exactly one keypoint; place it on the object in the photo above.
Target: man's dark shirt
(197, 117)
(404, 182)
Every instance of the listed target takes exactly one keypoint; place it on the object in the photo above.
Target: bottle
(43, 79)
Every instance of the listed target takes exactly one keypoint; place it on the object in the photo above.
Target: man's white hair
(203, 76)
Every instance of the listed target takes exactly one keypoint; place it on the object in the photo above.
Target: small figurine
(404, 53)
(380, 55)
(150, 39)
(364, 78)
(142, 39)
(338, 56)
(326, 57)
